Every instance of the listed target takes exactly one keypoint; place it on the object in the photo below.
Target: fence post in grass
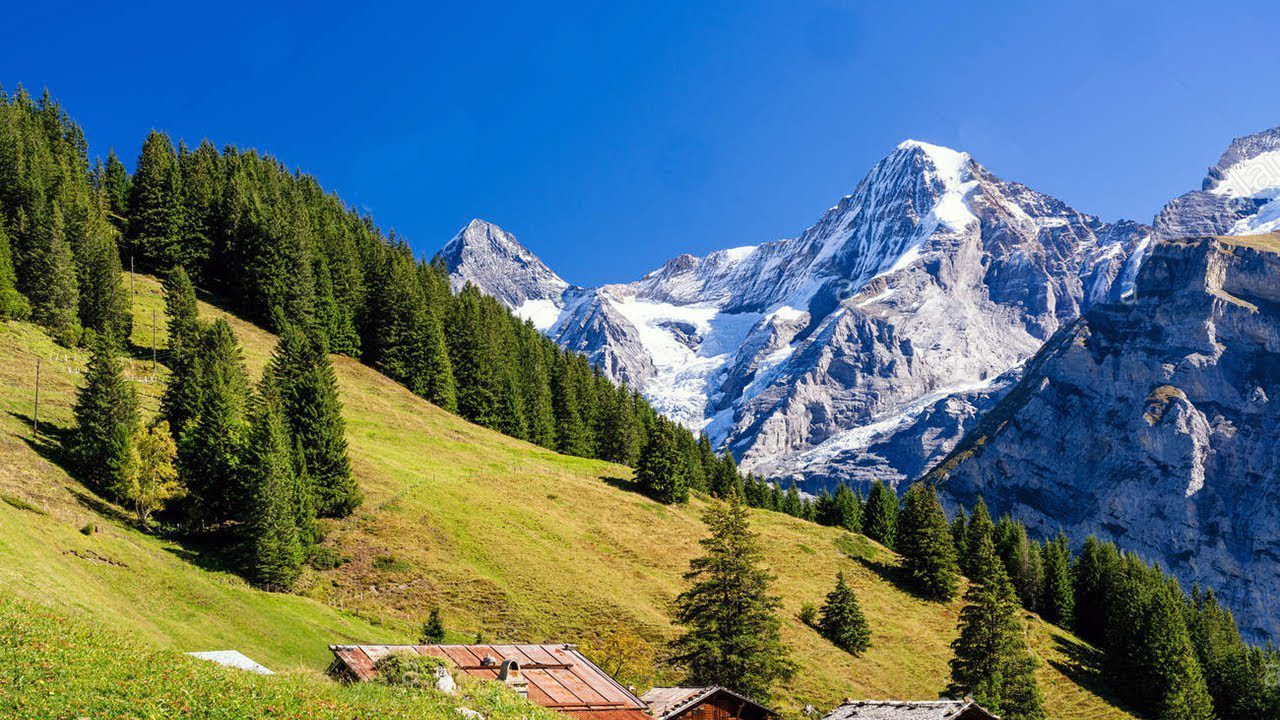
(35, 419)
(133, 296)
(153, 343)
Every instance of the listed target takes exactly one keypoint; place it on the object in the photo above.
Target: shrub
(409, 669)
(808, 614)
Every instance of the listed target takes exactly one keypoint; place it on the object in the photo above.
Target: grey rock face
(1155, 423)
(490, 258)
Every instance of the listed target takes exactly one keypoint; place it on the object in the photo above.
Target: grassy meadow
(511, 541)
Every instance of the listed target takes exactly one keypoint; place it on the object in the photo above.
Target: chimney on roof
(511, 676)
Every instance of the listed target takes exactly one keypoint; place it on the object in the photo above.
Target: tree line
(272, 244)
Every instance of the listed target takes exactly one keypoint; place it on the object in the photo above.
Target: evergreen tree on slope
(992, 662)
(731, 628)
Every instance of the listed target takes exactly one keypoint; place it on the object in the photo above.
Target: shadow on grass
(214, 551)
(890, 573)
(1083, 665)
(621, 483)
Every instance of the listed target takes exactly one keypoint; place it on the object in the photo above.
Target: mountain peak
(1249, 167)
(491, 258)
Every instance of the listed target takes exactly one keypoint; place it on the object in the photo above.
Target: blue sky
(611, 136)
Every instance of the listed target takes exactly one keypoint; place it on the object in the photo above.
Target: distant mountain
(861, 348)
(1239, 196)
(1155, 423)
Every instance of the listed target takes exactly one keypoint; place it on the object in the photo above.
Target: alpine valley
(1113, 378)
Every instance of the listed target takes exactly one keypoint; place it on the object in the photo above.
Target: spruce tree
(992, 662)
(1022, 560)
(104, 300)
(303, 377)
(115, 184)
(181, 313)
(724, 480)
(660, 471)
(1170, 664)
(273, 551)
(571, 434)
(1057, 602)
(54, 296)
(791, 504)
(154, 230)
(960, 535)
(925, 543)
(433, 629)
(13, 304)
(432, 370)
(731, 628)
(841, 620)
(106, 412)
(979, 526)
(1090, 578)
(847, 508)
(212, 399)
(880, 518)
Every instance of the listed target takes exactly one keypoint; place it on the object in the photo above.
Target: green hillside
(509, 539)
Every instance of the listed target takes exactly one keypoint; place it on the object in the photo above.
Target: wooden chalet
(557, 677)
(703, 703)
(965, 709)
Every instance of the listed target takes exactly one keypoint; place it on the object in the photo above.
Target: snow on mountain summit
(1240, 194)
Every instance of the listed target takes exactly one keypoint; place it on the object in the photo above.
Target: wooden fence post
(36, 415)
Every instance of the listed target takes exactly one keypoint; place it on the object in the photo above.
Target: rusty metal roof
(910, 710)
(668, 702)
(560, 678)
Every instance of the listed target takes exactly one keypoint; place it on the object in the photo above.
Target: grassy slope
(60, 666)
(509, 539)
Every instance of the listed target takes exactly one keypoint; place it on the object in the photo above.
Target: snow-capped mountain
(484, 254)
(877, 333)
(1240, 195)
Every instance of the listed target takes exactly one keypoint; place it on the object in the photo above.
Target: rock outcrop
(1155, 422)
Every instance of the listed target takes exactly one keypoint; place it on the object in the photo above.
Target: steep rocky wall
(1155, 423)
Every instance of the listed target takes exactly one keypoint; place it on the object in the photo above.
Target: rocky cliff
(1155, 422)
(862, 347)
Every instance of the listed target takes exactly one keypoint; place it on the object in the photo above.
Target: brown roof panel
(558, 676)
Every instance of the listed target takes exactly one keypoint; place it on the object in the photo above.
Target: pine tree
(1057, 603)
(925, 543)
(106, 413)
(847, 508)
(303, 377)
(980, 527)
(12, 303)
(841, 620)
(618, 432)
(433, 629)
(273, 551)
(992, 662)
(880, 518)
(731, 628)
(660, 471)
(432, 369)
